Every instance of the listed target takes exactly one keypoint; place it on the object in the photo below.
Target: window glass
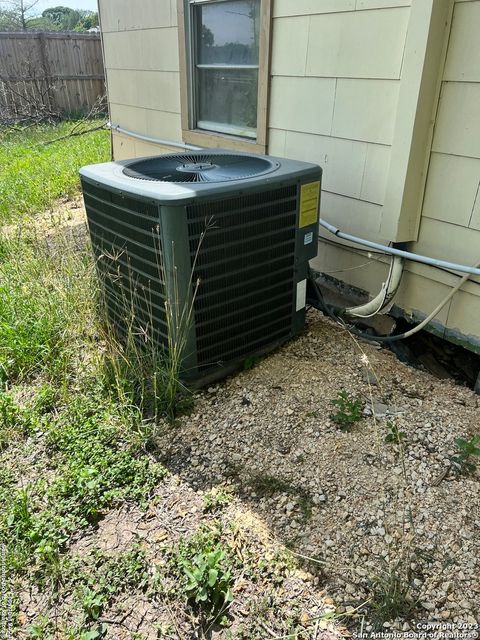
(228, 32)
(228, 97)
(225, 57)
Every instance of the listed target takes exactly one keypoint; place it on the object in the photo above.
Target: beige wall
(336, 71)
(368, 90)
(140, 40)
(450, 213)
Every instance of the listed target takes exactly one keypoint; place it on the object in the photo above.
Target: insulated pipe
(140, 136)
(382, 301)
(415, 257)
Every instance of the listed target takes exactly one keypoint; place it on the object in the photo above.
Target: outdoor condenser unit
(227, 234)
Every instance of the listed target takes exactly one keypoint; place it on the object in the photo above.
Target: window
(225, 70)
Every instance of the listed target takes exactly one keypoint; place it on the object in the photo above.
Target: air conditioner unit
(244, 225)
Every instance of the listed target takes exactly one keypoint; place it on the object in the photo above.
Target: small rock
(465, 533)
(304, 618)
(369, 377)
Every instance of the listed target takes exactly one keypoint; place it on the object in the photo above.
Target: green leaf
(212, 577)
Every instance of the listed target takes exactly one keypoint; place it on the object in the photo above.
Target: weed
(251, 362)
(12, 419)
(46, 399)
(15, 420)
(95, 633)
(392, 592)
(97, 579)
(92, 603)
(349, 410)
(96, 464)
(465, 450)
(215, 499)
(41, 629)
(394, 435)
(206, 569)
(209, 582)
(141, 369)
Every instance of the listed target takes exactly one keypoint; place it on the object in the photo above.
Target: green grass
(47, 300)
(80, 413)
(34, 176)
(94, 460)
(70, 394)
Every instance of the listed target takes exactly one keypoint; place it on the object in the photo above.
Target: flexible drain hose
(401, 336)
(383, 300)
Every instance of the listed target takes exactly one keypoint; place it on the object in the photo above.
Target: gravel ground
(368, 511)
(365, 519)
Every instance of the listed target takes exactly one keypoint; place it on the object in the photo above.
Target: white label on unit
(301, 294)
(308, 238)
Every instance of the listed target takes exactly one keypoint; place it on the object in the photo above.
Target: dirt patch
(352, 501)
(175, 511)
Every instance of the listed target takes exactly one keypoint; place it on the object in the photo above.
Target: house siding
(142, 68)
(450, 214)
(336, 68)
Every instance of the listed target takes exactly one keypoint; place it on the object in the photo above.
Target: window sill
(211, 140)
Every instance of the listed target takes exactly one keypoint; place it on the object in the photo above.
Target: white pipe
(415, 257)
(440, 306)
(381, 302)
(140, 136)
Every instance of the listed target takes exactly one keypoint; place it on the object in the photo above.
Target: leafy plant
(39, 629)
(95, 633)
(206, 569)
(349, 410)
(466, 449)
(394, 435)
(209, 581)
(215, 499)
(92, 603)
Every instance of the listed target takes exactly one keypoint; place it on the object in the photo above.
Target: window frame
(215, 139)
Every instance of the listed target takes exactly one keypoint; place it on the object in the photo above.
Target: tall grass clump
(46, 304)
(142, 369)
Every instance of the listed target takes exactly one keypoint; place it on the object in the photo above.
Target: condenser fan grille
(199, 168)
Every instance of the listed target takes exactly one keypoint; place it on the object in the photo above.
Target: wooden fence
(59, 72)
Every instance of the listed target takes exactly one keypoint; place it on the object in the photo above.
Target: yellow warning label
(309, 199)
